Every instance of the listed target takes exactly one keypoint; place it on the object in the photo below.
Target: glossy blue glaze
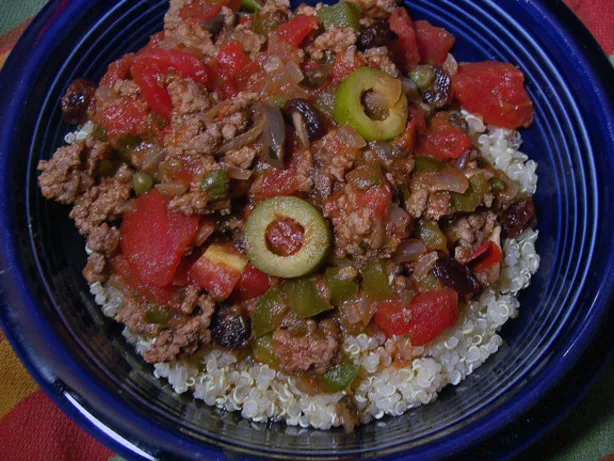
(82, 361)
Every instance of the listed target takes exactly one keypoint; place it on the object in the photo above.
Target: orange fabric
(32, 428)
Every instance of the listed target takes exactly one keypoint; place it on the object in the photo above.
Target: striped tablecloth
(32, 428)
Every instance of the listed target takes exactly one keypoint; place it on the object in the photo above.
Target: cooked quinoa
(316, 217)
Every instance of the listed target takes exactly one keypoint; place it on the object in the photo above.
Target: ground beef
(275, 11)
(126, 88)
(102, 202)
(188, 97)
(241, 158)
(192, 134)
(182, 342)
(303, 170)
(188, 33)
(249, 40)
(426, 201)
(317, 350)
(332, 163)
(103, 239)
(334, 39)
(133, 315)
(468, 233)
(376, 8)
(235, 124)
(380, 59)
(357, 231)
(97, 268)
(191, 203)
(189, 299)
(62, 178)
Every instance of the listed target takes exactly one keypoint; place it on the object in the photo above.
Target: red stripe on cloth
(598, 16)
(37, 430)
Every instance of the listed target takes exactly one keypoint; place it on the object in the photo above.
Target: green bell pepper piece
(427, 165)
(430, 233)
(375, 280)
(264, 25)
(366, 176)
(253, 6)
(340, 377)
(157, 314)
(126, 145)
(270, 311)
(342, 14)
(262, 350)
(471, 199)
(100, 133)
(497, 185)
(340, 286)
(305, 299)
(216, 184)
(316, 239)
(349, 108)
(429, 282)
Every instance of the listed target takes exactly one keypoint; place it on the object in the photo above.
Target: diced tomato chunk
(434, 43)
(392, 318)
(232, 59)
(146, 76)
(185, 64)
(406, 52)
(378, 199)
(126, 116)
(253, 283)
(494, 90)
(118, 70)
(431, 313)
(486, 256)
(218, 270)
(235, 70)
(200, 11)
(154, 239)
(443, 140)
(278, 183)
(161, 295)
(342, 68)
(297, 29)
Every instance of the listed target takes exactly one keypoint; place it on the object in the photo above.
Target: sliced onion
(238, 173)
(152, 159)
(449, 179)
(399, 218)
(350, 138)
(409, 251)
(450, 66)
(295, 72)
(246, 138)
(425, 264)
(171, 189)
(378, 235)
(125, 206)
(461, 162)
(204, 232)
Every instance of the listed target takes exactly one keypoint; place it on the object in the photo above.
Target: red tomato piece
(285, 236)
(486, 256)
(118, 70)
(154, 248)
(253, 283)
(494, 90)
(443, 140)
(406, 53)
(392, 318)
(278, 183)
(200, 11)
(218, 270)
(161, 295)
(297, 29)
(146, 76)
(378, 199)
(434, 43)
(127, 116)
(431, 313)
(232, 59)
(185, 64)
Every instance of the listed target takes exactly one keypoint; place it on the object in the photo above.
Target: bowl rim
(41, 36)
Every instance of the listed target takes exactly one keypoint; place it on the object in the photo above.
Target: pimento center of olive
(285, 236)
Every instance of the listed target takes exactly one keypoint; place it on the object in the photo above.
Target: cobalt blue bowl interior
(81, 359)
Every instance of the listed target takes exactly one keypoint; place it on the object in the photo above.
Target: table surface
(586, 434)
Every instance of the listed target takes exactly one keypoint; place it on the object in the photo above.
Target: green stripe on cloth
(14, 12)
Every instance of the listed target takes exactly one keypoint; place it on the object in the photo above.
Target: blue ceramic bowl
(83, 362)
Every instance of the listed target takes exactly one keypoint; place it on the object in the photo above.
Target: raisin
(456, 276)
(440, 94)
(517, 217)
(77, 100)
(376, 35)
(230, 328)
